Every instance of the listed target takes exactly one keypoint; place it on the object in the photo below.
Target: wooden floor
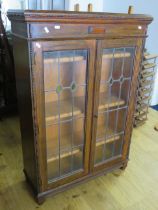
(134, 189)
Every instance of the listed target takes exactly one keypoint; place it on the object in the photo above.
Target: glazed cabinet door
(63, 82)
(115, 85)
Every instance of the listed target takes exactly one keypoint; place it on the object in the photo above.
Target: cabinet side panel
(23, 84)
(19, 28)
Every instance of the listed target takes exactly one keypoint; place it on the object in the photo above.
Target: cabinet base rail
(40, 197)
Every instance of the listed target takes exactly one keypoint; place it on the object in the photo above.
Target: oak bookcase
(76, 76)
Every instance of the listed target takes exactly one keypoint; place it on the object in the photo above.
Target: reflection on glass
(116, 74)
(65, 93)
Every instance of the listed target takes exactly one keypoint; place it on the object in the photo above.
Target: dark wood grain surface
(36, 32)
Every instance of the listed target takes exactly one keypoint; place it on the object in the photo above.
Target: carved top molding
(76, 17)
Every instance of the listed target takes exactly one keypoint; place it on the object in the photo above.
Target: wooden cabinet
(76, 78)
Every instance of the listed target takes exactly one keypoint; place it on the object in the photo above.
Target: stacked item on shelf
(145, 86)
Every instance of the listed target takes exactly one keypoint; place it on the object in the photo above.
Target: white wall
(10, 4)
(144, 7)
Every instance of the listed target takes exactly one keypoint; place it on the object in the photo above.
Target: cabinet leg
(26, 177)
(156, 127)
(40, 199)
(123, 167)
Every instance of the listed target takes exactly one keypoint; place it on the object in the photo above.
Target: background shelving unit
(145, 86)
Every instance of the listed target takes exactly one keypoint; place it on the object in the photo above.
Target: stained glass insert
(65, 102)
(116, 74)
(59, 89)
(73, 86)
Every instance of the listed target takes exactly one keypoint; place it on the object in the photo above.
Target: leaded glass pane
(65, 85)
(116, 74)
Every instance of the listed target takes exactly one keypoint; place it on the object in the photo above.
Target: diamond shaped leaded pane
(121, 79)
(59, 88)
(73, 86)
(111, 81)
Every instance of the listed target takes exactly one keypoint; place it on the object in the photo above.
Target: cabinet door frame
(116, 43)
(39, 117)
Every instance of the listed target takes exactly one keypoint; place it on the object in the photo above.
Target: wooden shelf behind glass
(81, 58)
(65, 104)
(64, 59)
(65, 111)
(110, 138)
(109, 102)
(77, 111)
(65, 148)
(64, 154)
(117, 55)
